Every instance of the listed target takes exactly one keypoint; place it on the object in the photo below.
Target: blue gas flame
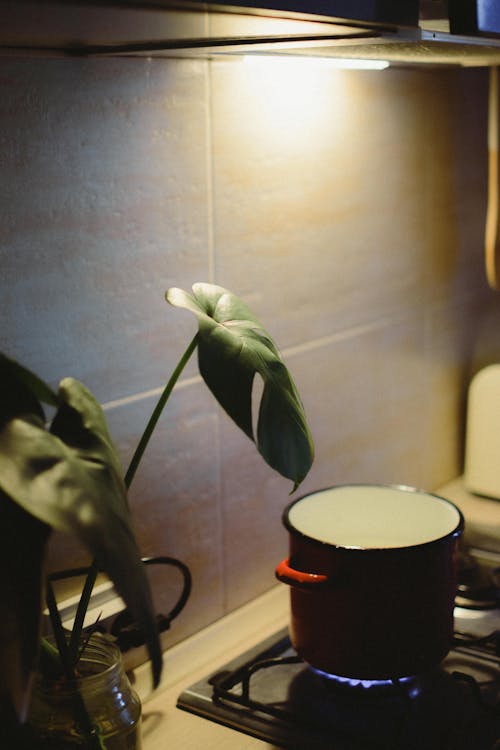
(360, 683)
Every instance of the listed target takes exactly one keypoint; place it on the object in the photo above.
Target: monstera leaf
(21, 391)
(70, 479)
(232, 348)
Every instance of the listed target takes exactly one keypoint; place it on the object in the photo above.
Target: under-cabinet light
(323, 62)
(348, 64)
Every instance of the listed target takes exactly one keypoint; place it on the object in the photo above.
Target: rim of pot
(457, 531)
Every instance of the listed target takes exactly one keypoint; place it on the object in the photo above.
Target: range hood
(458, 32)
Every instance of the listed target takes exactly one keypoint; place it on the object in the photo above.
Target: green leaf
(232, 348)
(21, 391)
(80, 423)
(70, 479)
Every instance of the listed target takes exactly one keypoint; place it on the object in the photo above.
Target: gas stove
(268, 692)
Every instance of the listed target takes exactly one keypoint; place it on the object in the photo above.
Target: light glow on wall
(287, 98)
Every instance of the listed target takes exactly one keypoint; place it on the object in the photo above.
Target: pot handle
(300, 578)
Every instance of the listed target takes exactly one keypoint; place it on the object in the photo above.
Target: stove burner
(384, 715)
(271, 694)
(268, 692)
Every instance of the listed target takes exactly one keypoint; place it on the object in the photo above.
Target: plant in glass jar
(65, 475)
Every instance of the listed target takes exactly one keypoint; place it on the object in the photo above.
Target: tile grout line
(209, 163)
(126, 400)
(342, 335)
(209, 115)
(375, 325)
(288, 351)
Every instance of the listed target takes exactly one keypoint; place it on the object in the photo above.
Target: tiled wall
(347, 210)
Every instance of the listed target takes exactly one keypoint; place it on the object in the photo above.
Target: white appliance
(482, 444)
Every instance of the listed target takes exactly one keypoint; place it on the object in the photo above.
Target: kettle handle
(300, 578)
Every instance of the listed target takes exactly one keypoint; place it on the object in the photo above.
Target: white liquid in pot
(366, 516)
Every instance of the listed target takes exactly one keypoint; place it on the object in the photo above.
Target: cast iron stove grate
(269, 693)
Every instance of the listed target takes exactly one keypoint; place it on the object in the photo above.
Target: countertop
(166, 726)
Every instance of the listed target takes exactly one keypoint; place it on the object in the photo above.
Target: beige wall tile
(317, 212)
(253, 498)
(485, 342)
(104, 202)
(454, 158)
(450, 335)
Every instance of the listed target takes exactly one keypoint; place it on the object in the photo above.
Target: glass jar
(99, 709)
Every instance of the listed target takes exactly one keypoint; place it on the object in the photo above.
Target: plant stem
(129, 476)
(59, 635)
(143, 442)
(74, 641)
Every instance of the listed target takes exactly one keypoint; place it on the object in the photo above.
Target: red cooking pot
(372, 571)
